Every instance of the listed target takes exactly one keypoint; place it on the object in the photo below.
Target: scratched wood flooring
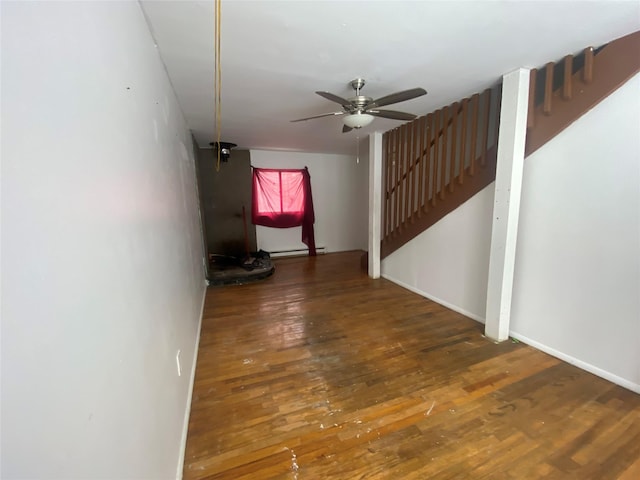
(322, 373)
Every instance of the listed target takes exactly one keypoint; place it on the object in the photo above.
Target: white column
(375, 202)
(506, 208)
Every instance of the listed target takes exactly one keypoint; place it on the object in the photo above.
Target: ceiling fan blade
(392, 114)
(398, 97)
(318, 116)
(335, 98)
(346, 129)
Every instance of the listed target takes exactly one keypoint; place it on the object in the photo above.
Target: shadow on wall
(222, 196)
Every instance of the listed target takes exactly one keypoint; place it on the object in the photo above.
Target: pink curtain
(282, 199)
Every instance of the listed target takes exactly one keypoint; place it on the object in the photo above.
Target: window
(280, 191)
(282, 199)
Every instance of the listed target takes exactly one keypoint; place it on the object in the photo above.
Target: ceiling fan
(360, 110)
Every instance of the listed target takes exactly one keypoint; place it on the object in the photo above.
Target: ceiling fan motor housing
(360, 102)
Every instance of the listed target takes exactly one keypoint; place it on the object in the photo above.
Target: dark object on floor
(227, 270)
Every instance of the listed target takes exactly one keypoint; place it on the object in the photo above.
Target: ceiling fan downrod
(359, 101)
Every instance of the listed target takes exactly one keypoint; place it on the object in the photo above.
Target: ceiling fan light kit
(358, 120)
(360, 111)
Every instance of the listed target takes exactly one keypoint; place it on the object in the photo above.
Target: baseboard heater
(296, 252)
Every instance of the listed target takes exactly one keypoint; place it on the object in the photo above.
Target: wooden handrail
(429, 145)
(436, 151)
(603, 71)
(459, 109)
(430, 158)
(472, 186)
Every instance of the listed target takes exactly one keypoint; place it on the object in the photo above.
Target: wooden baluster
(436, 157)
(531, 114)
(416, 167)
(463, 140)
(385, 157)
(485, 136)
(396, 221)
(428, 161)
(406, 134)
(444, 163)
(497, 123)
(386, 139)
(475, 101)
(407, 183)
(548, 88)
(396, 208)
(403, 175)
(568, 75)
(454, 144)
(421, 130)
(412, 172)
(390, 171)
(587, 72)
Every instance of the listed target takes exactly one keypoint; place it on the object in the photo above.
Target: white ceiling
(276, 54)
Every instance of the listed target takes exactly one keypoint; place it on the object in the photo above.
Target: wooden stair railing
(569, 91)
(434, 164)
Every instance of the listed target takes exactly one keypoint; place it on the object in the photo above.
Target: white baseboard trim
(634, 387)
(433, 298)
(187, 411)
(295, 252)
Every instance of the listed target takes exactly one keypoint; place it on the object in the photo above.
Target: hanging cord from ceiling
(217, 84)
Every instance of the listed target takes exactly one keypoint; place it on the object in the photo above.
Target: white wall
(577, 280)
(339, 186)
(576, 292)
(449, 262)
(102, 279)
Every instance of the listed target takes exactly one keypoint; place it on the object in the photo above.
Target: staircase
(562, 92)
(435, 163)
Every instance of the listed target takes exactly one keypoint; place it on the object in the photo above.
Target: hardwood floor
(322, 373)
